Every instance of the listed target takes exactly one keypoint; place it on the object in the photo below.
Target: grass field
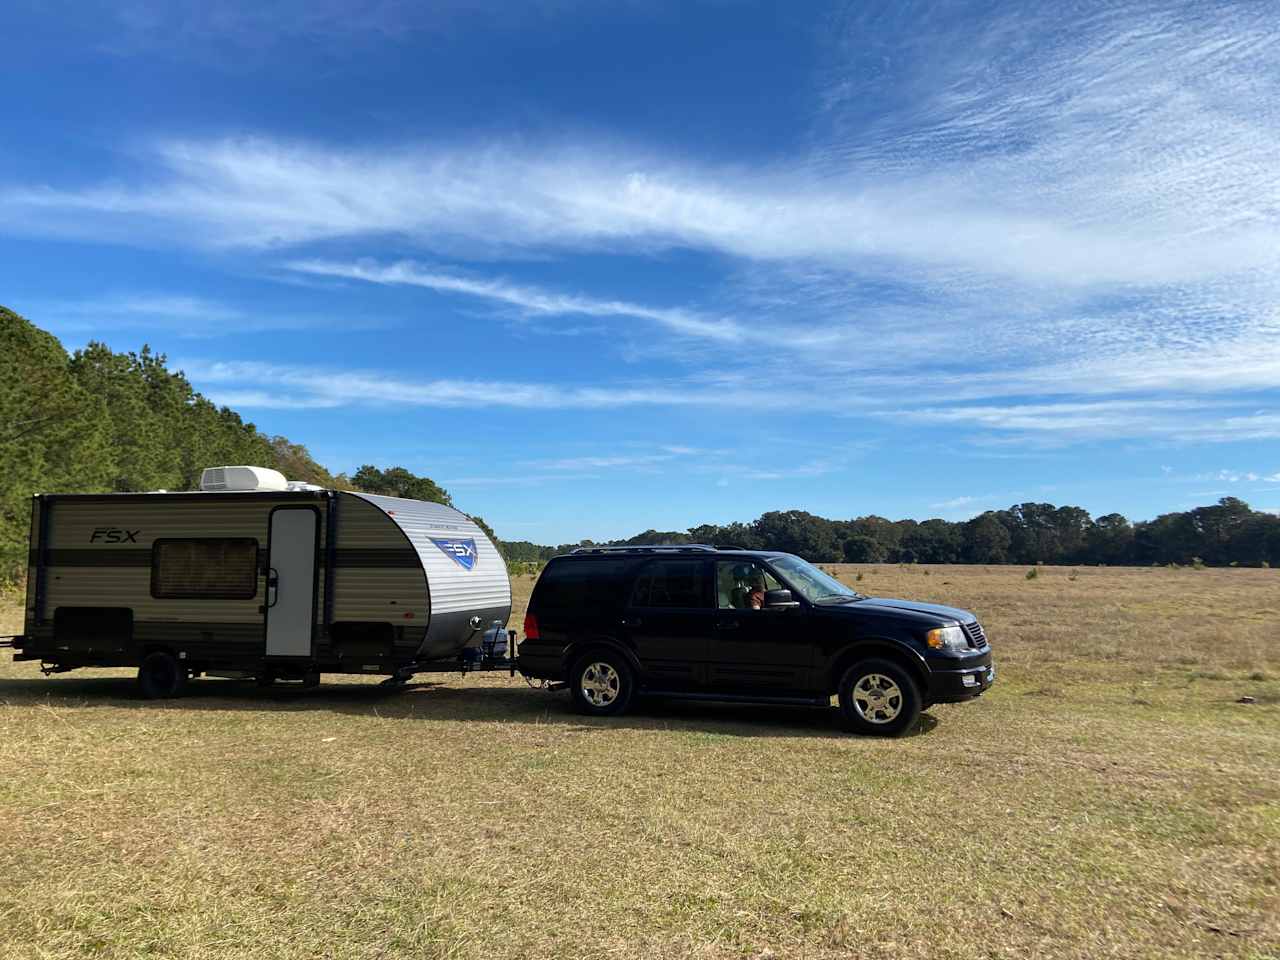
(1109, 797)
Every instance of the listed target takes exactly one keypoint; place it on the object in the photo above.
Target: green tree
(54, 435)
(934, 541)
(1110, 540)
(296, 463)
(801, 533)
(143, 443)
(986, 539)
(399, 482)
(863, 549)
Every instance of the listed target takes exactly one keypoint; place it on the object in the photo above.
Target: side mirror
(779, 600)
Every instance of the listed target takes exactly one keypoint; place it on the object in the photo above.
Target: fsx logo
(114, 535)
(463, 552)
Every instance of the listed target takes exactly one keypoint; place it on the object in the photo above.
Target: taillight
(530, 627)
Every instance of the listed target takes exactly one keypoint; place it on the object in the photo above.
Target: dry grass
(1108, 798)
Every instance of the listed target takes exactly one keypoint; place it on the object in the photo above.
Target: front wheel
(879, 697)
(602, 683)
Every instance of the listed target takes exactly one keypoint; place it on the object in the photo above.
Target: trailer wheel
(601, 682)
(162, 675)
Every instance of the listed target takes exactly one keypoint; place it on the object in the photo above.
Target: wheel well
(576, 650)
(881, 650)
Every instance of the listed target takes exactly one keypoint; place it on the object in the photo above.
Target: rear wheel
(602, 683)
(879, 697)
(161, 676)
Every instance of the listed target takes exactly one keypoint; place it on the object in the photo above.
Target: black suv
(722, 624)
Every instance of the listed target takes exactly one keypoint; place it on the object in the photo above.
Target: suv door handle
(635, 622)
(727, 624)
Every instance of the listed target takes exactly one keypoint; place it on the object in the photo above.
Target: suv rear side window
(671, 583)
(579, 587)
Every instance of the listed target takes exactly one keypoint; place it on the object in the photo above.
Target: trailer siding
(372, 581)
(453, 587)
(95, 551)
(463, 601)
(88, 572)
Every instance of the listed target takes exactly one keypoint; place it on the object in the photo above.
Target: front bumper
(955, 686)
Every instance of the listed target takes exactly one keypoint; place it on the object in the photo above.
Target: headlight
(947, 638)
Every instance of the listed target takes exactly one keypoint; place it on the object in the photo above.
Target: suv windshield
(812, 584)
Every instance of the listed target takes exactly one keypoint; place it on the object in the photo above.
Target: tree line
(1226, 533)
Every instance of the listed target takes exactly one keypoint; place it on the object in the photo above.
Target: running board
(738, 698)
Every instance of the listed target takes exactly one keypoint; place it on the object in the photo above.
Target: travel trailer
(257, 576)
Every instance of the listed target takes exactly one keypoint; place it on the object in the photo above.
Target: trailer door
(291, 581)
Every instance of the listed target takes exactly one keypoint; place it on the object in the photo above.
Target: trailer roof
(211, 495)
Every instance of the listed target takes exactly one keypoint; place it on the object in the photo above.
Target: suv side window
(579, 587)
(670, 583)
(734, 580)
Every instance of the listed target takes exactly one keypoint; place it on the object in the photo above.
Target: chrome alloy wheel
(877, 698)
(600, 684)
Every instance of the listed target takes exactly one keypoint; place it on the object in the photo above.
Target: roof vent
(242, 479)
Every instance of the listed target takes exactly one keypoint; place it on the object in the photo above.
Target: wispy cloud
(598, 462)
(955, 502)
(1245, 476)
(300, 387)
(189, 317)
(1059, 230)
(810, 468)
(528, 299)
(227, 35)
(265, 193)
(1146, 417)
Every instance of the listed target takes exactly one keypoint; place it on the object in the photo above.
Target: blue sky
(602, 267)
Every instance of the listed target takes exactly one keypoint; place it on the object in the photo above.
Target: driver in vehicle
(755, 593)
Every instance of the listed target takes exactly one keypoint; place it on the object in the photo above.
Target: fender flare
(578, 647)
(863, 647)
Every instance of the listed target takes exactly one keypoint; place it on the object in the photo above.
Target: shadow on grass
(435, 701)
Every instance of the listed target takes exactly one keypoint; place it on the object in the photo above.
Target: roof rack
(651, 548)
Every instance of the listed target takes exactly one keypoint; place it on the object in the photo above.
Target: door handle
(635, 622)
(727, 624)
(273, 586)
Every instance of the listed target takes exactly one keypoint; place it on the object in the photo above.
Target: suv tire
(161, 675)
(879, 697)
(601, 682)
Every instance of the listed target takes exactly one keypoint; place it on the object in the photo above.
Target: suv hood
(913, 609)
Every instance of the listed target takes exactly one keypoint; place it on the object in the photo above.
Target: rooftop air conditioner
(242, 479)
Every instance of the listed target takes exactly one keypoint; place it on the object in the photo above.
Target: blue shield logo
(462, 552)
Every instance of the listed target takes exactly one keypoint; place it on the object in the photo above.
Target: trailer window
(222, 569)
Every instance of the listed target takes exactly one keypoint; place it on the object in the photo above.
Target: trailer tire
(601, 682)
(162, 675)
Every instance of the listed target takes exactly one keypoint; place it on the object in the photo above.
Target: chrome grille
(977, 636)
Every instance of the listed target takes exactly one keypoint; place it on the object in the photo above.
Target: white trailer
(257, 576)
